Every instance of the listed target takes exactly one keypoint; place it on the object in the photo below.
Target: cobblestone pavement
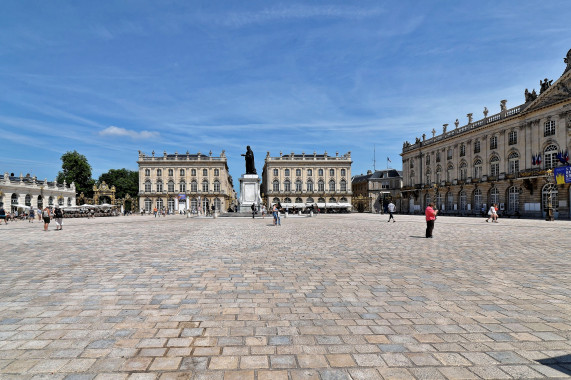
(329, 297)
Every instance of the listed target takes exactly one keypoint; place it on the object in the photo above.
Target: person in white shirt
(493, 213)
(391, 207)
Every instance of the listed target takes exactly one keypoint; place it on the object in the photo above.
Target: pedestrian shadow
(418, 237)
(559, 363)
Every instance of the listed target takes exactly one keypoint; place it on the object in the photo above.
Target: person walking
(3, 215)
(391, 208)
(493, 213)
(58, 214)
(253, 207)
(31, 215)
(263, 211)
(430, 213)
(46, 215)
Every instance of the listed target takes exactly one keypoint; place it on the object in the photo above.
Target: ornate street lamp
(549, 212)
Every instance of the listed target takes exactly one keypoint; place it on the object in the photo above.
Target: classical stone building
(185, 181)
(372, 192)
(503, 158)
(300, 180)
(28, 191)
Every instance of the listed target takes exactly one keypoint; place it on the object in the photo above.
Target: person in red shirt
(430, 218)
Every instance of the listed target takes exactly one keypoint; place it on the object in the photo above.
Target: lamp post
(549, 212)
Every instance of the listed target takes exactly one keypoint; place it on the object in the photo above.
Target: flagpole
(374, 158)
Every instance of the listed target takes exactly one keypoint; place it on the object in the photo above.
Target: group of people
(47, 214)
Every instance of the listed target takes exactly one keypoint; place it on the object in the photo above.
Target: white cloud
(116, 131)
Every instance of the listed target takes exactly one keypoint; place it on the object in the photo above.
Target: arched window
(309, 172)
(193, 186)
(494, 166)
(477, 199)
(450, 201)
(439, 201)
(147, 186)
(205, 186)
(321, 200)
(463, 201)
(449, 172)
(332, 185)
(160, 204)
(513, 162)
(147, 172)
(205, 172)
(276, 172)
(276, 200)
(148, 205)
(182, 186)
(463, 170)
(69, 201)
(298, 200)
(286, 172)
(40, 202)
(194, 204)
(298, 172)
(320, 172)
(343, 200)
(331, 172)
(217, 204)
(193, 172)
(159, 186)
(181, 172)
(216, 172)
(332, 200)
(287, 200)
(494, 142)
(217, 186)
(276, 185)
(60, 201)
(28, 200)
(343, 185)
(170, 204)
(513, 199)
(478, 168)
(309, 185)
(205, 204)
(548, 190)
(171, 172)
(494, 196)
(343, 173)
(170, 186)
(298, 185)
(287, 185)
(159, 172)
(426, 199)
(309, 200)
(320, 185)
(550, 156)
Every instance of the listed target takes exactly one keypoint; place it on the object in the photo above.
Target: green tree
(76, 169)
(125, 181)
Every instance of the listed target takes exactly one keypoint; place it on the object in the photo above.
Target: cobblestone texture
(328, 297)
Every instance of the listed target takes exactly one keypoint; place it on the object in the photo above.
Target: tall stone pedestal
(249, 192)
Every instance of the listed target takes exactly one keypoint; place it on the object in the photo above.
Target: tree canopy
(76, 169)
(125, 181)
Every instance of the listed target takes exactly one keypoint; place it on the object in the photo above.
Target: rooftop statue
(567, 60)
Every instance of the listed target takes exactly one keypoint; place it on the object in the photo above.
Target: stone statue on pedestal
(250, 166)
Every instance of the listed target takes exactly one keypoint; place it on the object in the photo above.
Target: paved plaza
(329, 297)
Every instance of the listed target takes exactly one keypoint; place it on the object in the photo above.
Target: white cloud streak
(116, 131)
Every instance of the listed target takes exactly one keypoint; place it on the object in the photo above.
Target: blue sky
(110, 78)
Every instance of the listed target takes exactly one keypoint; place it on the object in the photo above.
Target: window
(287, 185)
(60, 201)
(494, 196)
(298, 185)
(171, 172)
(276, 185)
(428, 177)
(463, 171)
(217, 186)
(494, 166)
(426, 200)
(170, 204)
(462, 150)
(310, 185)
(450, 153)
(159, 172)
(332, 200)
(438, 174)
(477, 199)
(463, 201)
(439, 201)
(159, 204)
(286, 172)
(309, 200)
(477, 146)
(309, 172)
(287, 200)
(512, 138)
(549, 128)
(428, 159)
(159, 187)
(513, 162)
(343, 173)
(276, 200)
(298, 172)
(411, 163)
(513, 199)
(205, 172)
(69, 201)
(205, 186)
(332, 185)
(193, 172)
(478, 168)
(148, 205)
(321, 200)
(494, 142)
(320, 186)
(550, 190)
(28, 200)
(320, 172)
(217, 204)
(343, 200)
(449, 173)
(193, 187)
(550, 157)
(412, 175)
(216, 172)
(438, 156)
(181, 172)
(298, 200)
(194, 204)
(276, 172)
(343, 185)
(170, 186)
(147, 172)
(182, 186)
(450, 201)
(147, 186)
(331, 172)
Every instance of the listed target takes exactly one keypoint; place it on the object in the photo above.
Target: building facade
(374, 191)
(28, 191)
(302, 180)
(504, 158)
(178, 182)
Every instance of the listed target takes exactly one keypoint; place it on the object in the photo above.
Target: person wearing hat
(58, 214)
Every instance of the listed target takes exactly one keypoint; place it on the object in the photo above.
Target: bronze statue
(250, 166)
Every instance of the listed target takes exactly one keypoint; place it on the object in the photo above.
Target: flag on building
(533, 159)
(538, 159)
(388, 159)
